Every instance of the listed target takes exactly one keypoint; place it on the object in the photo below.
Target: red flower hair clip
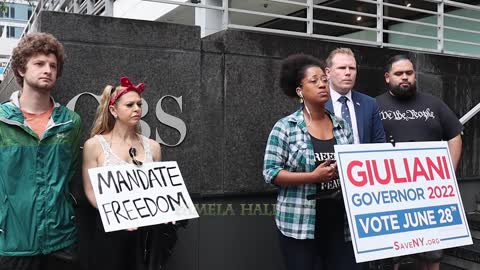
(125, 82)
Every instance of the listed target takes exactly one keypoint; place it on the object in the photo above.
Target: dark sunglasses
(133, 154)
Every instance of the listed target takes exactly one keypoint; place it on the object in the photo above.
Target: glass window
(14, 32)
(1, 30)
(10, 32)
(12, 12)
(18, 32)
(29, 13)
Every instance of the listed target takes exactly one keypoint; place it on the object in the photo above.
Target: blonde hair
(104, 120)
(346, 51)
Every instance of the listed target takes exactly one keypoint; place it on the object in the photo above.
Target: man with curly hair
(39, 153)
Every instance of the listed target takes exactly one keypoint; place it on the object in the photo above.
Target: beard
(41, 86)
(402, 92)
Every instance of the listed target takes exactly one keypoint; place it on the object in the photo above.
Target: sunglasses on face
(133, 154)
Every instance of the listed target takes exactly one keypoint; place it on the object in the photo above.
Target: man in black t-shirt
(408, 115)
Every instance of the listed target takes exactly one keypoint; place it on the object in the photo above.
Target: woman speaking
(299, 160)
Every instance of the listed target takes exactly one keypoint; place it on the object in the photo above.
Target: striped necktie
(345, 110)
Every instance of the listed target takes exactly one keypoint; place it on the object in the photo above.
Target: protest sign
(401, 199)
(134, 196)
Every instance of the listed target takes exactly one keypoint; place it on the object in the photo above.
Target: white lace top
(112, 159)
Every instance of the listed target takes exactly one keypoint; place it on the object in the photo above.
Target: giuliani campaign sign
(401, 200)
(129, 196)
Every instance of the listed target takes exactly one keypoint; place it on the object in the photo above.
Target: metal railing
(445, 29)
(464, 119)
(92, 7)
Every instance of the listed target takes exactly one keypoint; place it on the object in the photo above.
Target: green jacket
(36, 211)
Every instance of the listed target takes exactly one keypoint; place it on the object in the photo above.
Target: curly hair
(293, 70)
(32, 44)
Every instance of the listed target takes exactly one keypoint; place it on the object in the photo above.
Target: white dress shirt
(337, 108)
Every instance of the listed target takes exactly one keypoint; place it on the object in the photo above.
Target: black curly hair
(293, 70)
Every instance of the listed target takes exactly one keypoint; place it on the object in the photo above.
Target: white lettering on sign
(162, 116)
(407, 115)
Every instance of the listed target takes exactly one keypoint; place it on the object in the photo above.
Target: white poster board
(131, 196)
(401, 199)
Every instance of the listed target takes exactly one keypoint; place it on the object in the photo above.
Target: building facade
(13, 20)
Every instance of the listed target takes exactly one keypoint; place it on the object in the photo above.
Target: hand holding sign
(129, 196)
(401, 200)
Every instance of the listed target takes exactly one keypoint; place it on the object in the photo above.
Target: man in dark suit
(359, 110)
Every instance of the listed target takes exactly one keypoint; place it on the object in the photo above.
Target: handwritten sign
(401, 200)
(129, 196)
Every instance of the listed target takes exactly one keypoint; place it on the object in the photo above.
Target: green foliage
(3, 6)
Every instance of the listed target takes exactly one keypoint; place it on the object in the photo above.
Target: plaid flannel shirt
(289, 147)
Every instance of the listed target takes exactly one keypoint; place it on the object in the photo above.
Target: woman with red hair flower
(115, 139)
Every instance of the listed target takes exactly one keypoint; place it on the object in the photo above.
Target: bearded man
(409, 116)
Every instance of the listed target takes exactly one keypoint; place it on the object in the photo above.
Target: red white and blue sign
(401, 199)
